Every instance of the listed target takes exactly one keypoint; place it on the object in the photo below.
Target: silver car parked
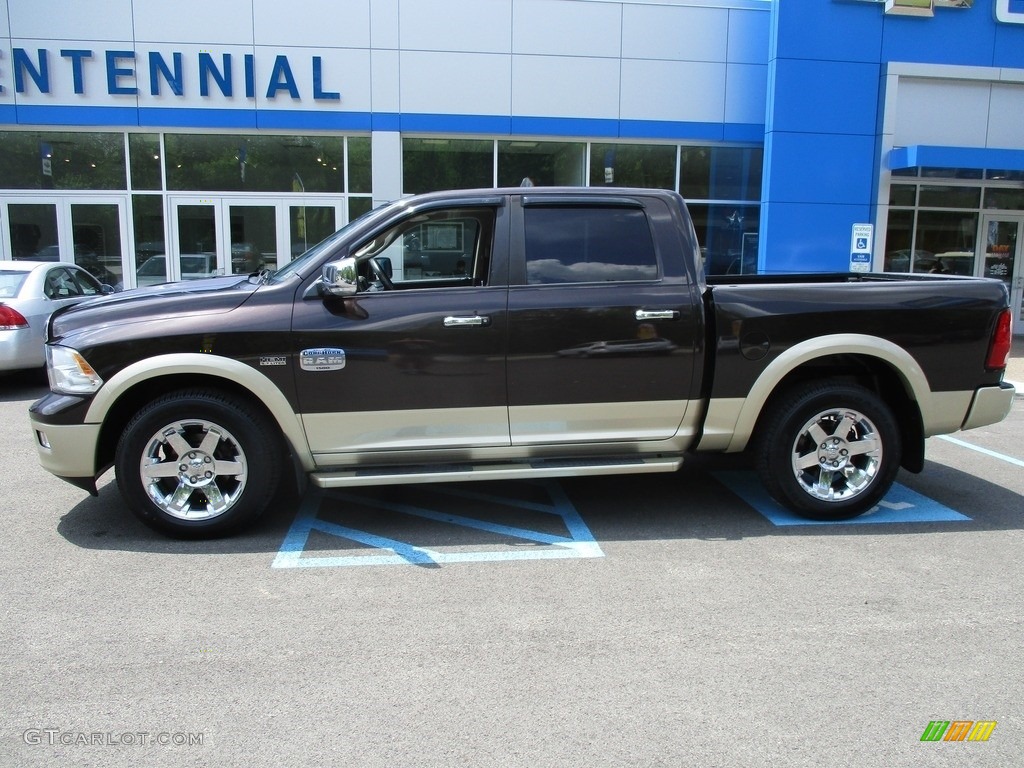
(29, 292)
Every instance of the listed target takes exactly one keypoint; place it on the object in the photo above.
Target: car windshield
(154, 265)
(327, 244)
(196, 265)
(11, 282)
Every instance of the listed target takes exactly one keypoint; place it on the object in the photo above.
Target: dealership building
(806, 135)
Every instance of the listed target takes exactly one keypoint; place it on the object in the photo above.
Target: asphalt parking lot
(663, 620)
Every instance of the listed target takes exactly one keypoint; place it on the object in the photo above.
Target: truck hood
(208, 296)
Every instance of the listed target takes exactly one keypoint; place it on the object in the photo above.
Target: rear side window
(588, 245)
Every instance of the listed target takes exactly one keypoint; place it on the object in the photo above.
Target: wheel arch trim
(212, 366)
(896, 357)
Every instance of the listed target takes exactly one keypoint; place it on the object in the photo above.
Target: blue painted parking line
(579, 543)
(900, 505)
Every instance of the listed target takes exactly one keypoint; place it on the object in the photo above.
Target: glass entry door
(90, 232)
(238, 236)
(1001, 246)
(219, 236)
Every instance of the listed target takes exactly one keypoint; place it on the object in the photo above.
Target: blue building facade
(806, 135)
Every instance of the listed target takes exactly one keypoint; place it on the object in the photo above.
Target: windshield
(299, 265)
(11, 282)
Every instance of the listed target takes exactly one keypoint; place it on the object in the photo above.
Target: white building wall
(675, 61)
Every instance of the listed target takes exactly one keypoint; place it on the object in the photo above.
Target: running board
(457, 473)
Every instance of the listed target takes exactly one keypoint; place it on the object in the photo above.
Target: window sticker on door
(324, 359)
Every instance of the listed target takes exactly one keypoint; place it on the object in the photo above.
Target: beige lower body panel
(72, 448)
(991, 405)
(483, 435)
(596, 422)
(730, 422)
(371, 431)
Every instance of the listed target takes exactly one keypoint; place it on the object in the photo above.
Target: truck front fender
(212, 366)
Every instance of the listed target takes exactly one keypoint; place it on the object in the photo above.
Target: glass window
(96, 230)
(902, 194)
(308, 225)
(720, 173)
(945, 242)
(1005, 199)
(440, 248)
(33, 231)
(728, 235)
(951, 173)
(435, 164)
(11, 282)
(540, 163)
(87, 284)
(633, 165)
(588, 244)
(144, 157)
(360, 165)
(1004, 175)
(898, 242)
(255, 163)
(34, 160)
(59, 284)
(253, 230)
(148, 226)
(949, 197)
(357, 206)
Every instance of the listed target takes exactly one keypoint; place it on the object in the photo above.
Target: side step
(457, 473)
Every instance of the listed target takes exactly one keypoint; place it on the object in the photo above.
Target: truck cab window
(588, 245)
(447, 248)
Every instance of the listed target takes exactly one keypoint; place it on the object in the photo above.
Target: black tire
(198, 464)
(828, 450)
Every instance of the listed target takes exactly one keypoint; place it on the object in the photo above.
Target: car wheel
(198, 463)
(828, 451)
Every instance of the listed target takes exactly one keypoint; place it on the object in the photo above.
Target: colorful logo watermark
(958, 730)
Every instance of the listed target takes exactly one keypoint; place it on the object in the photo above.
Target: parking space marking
(580, 543)
(979, 449)
(900, 505)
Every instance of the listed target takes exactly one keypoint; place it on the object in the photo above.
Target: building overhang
(979, 158)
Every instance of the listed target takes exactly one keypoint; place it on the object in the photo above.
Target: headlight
(69, 373)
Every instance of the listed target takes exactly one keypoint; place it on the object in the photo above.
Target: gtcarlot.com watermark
(52, 737)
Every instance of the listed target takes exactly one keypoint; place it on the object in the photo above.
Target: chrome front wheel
(199, 462)
(194, 469)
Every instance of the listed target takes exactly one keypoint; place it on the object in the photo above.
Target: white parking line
(986, 451)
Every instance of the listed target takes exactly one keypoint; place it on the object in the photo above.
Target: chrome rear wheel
(828, 450)
(837, 454)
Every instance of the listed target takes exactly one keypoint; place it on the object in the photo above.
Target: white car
(194, 266)
(29, 292)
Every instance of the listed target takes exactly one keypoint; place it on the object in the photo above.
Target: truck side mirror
(340, 278)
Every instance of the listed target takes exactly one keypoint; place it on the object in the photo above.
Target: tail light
(11, 319)
(999, 346)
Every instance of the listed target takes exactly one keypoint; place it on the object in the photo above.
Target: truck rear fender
(131, 387)
(731, 423)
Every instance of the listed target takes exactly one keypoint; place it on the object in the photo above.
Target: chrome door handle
(657, 314)
(454, 321)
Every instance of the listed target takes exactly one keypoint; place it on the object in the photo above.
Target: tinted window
(87, 284)
(448, 247)
(60, 284)
(588, 244)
